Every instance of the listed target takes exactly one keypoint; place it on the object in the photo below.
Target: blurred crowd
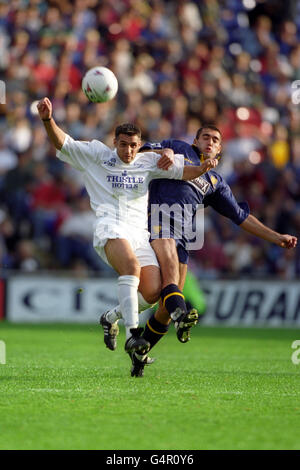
(234, 63)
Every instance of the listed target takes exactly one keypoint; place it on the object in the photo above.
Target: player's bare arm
(192, 172)
(55, 134)
(255, 227)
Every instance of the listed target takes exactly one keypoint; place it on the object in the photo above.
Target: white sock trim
(129, 280)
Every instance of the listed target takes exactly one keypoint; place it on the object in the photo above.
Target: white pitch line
(228, 392)
(54, 390)
(220, 392)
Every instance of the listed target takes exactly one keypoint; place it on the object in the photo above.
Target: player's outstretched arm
(55, 134)
(255, 227)
(192, 172)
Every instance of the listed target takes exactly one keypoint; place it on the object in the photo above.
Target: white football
(100, 84)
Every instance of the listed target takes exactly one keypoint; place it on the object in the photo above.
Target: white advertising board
(38, 299)
(252, 303)
(240, 303)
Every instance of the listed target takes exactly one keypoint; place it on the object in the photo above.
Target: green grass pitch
(228, 388)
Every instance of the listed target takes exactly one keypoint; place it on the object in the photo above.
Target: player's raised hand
(209, 164)
(44, 107)
(191, 172)
(56, 134)
(166, 160)
(287, 241)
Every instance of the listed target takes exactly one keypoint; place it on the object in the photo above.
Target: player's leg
(166, 253)
(161, 314)
(155, 330)
(172, 297)
(121, 257)
(148, 294)
(150, 282)
(149, 287)
(183, 267)
(170, 257)
(158, 324)
(183, 329)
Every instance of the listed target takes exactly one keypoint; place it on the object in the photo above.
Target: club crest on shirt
(214, 180)
(111, 162)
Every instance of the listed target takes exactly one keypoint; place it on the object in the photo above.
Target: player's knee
(151, 291)
(152, 297)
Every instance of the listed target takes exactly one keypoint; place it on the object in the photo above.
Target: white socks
(115, 313)
(128, 298)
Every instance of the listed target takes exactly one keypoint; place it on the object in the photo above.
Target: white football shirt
(118, 191)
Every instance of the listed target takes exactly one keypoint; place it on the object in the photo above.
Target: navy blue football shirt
(210, 189)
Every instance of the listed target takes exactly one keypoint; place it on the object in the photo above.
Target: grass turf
(227, 388)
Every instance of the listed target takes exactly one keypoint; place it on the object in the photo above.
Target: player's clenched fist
(209, 164)
(190, 172)
(166, 160)
(44, 107)
(287, 241)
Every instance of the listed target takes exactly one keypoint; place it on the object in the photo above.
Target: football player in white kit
(117, 183)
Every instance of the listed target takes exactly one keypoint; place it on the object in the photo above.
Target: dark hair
(207, 126)
(128, 129)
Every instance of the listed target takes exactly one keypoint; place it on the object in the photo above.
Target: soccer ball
(100, 85)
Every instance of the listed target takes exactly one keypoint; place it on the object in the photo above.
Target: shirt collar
(200, 154)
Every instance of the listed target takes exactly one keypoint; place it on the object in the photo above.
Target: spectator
(178, 64)
(75, 237)
(25, 257)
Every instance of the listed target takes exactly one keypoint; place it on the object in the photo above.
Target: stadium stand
(178, 64)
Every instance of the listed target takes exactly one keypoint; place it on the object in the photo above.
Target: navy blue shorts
(183, 254)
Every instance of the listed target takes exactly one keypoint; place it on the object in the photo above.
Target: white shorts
(139, 241)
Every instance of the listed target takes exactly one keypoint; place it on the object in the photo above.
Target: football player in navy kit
(209, 190)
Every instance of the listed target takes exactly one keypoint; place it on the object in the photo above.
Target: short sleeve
(80, 154)
(174, 172)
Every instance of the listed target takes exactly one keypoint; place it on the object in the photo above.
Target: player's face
(209, 143)
(127, 147)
